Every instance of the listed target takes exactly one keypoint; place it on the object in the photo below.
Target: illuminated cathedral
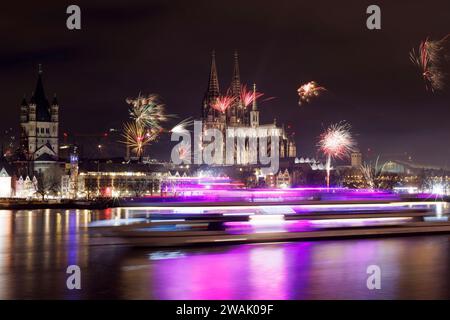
(239, 119)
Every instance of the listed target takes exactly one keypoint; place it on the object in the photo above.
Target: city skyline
(232, 157)
(371, 82)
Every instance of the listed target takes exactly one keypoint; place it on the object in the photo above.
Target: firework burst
(222, 103)
(147, 111)
(308, 91)
(430, 58)
(184, 152)
(336, 142)
(137, 137)
(372, 175)
(248, 96)
(368, 174)
(182, 126)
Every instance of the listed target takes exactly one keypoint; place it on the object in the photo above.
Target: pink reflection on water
(246, 272)
(272, 271)
(198, 277)
(268, 274)
(300, 270)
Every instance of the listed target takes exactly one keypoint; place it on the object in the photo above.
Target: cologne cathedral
(238, 119)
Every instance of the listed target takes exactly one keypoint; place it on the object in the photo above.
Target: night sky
(164, 47)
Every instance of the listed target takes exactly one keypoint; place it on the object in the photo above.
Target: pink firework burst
(337, 141)
(248, 96)
(184, 153)
(222, 103)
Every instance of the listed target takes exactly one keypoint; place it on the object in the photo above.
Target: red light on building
(107, 192)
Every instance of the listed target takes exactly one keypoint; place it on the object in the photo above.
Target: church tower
(235, 112)
(24, 112)
(39, 125)
(212, 92)
(254, 114)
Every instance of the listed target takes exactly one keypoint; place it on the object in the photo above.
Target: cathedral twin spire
(213, 90)
(213, 84)
(236, 80)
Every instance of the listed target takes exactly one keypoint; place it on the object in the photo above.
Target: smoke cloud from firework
(433, 58)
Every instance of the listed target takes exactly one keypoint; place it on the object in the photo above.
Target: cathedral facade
(239, 120)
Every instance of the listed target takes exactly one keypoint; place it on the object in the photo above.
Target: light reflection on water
(37, 246)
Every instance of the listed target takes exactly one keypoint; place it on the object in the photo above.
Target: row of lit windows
(43, 130)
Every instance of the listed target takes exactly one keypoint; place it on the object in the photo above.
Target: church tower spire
(39, 126)
(254, 106)
(39, 99)
(212, 91)
(213, 85)
(236, 80)
(235, 113)
(254, 114)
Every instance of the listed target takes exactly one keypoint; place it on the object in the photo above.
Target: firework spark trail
(336, 142)
(147, 111)
(182, 125)
(368, 174)
(222, 103)
(308, 91)
(431, 57)
(137, 137)
(248, 96)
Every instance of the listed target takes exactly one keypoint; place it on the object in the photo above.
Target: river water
(37, 246)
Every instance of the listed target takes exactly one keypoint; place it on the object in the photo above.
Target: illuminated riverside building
(5, 184)
(117, 184)
(96, 178)
(402, 176)
(239, 121)
(26, 188)
(111, 180)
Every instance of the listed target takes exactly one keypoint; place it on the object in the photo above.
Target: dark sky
(164, 47)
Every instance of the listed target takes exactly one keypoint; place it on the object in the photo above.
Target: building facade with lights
(90, 179)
